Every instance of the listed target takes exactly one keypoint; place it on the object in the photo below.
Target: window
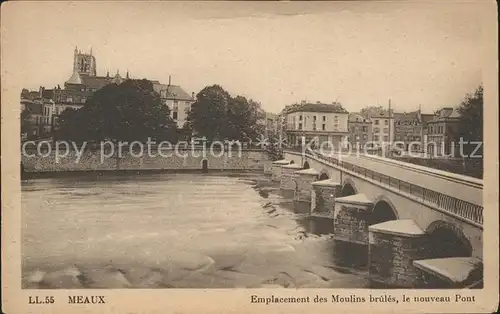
(314, 118)
(324, 118)
(417, 138)
(375, 137)
(365, 129)
(376, 122)
(386, 122)
(376, 130)
(176, 105)
(386, 138)
(174, 115)
(300, 126)
(353, 129)
(323, 127)
(365, 136)
(386, 130)
(300, 118)
(69, 99)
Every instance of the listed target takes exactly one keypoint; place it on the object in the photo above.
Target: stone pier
(276, 169)
(288, 183)
(323, 197)
(393, 247)
(351, 217)
(450, 272)
(302, 199)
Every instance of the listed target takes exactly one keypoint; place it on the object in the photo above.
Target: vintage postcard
(246, 157)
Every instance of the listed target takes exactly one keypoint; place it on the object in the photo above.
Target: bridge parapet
(461, 209)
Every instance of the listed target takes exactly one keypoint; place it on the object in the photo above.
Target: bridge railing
(463, 209)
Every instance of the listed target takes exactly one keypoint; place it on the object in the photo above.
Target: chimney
(192, 95)
(169, 80)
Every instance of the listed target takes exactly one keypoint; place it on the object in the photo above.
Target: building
(360, 130)
(82, 84)
(178, 101)
(441, 133)
(317, 122)
(270, 123)
(408, 128)
(383, 126)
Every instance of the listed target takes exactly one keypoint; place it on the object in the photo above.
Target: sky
(277, 53)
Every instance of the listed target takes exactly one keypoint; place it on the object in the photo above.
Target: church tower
(84, 63)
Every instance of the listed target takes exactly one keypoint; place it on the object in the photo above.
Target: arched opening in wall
(306, 165)
(447, 241)
(348, 189)
(382, 212)
(204, 165)
(324, 176)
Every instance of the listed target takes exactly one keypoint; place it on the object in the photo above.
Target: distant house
(383, 126)
(317, 122)
(360, 130)
(178, 101)
(442, 132)
(408, 130)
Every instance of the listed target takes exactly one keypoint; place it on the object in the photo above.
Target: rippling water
(171, 230)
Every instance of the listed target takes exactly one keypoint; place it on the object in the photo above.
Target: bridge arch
(383, 210)
(447, 240)
(324, 175)
(306, 165)
(348, 188)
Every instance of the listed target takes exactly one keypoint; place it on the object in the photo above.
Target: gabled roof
(95, 82)
(172, 91)
(408, 116)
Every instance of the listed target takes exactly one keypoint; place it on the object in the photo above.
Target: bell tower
(84, 63)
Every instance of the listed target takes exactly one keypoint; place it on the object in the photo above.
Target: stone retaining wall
(91, 161)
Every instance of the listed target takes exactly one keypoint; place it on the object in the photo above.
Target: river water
(172, 230)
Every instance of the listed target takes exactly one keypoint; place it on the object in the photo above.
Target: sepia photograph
(209, 145)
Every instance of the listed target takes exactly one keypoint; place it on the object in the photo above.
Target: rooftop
(172, 91)
(357, 117)
(316, 107)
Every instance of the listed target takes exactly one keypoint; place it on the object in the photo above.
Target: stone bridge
(419, 227)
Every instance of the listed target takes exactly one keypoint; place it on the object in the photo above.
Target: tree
(26, 123)
(131, 111)
(208, 113)
(470, 127)
(243, 119)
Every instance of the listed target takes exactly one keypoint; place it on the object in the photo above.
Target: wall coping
(327, 182)
(281, 162)
(291, 166)
(358, 199)
(402, 227)
(450, 269)
(310, 171)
